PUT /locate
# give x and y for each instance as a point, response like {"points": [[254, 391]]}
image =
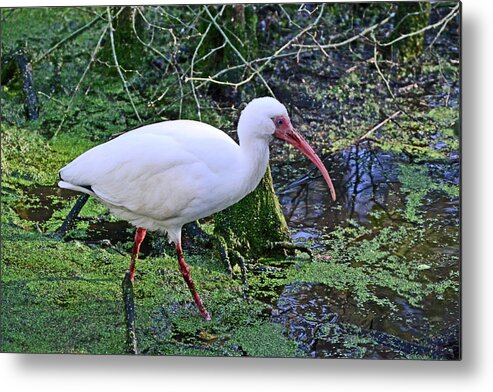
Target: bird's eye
{"points": [[280, 122]]}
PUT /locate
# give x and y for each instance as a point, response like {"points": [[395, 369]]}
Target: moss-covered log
{"points": [[18, 65], [252, 226]]}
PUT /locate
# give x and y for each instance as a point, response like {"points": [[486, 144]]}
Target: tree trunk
{"points": [[410, 17], [239, 24], [18, 64], [129, 50], [255, 224]]}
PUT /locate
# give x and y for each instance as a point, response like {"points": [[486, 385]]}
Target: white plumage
{"points": [[164, 175]]}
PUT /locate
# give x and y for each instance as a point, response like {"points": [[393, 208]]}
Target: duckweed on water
{"points": [[417, 183]]}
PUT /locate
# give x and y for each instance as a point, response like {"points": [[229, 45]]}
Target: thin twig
{"points": [[192, 84], [441, 31], [160, 54], [238, 53], [77, 87], [115, 59], [375, 60], [426, 28], [378, 126], [351, 39], [68, 38]]}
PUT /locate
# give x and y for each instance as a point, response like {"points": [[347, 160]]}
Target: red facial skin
{"points": [[285, 131]]}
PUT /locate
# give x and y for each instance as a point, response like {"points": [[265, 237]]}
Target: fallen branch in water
{"points": [[377, 127], [72, 215]]}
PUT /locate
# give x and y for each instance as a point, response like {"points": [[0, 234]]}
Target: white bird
{"points": [[164, 175]]}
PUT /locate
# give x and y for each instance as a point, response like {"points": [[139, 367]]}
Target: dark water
{"points": [[367, 181]]}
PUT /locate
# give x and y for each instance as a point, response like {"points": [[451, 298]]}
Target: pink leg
{"points": [[140, 234], [185, 271]]}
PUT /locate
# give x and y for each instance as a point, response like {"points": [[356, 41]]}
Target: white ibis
{"points": [[164, 175]]}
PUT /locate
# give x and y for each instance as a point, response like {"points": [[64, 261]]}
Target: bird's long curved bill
{"points": [[295, 139]]}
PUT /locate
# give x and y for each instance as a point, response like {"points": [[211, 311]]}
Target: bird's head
{"points": [[266, 118]]}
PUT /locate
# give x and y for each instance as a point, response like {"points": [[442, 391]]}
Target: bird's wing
{"points": [[158, 171]]}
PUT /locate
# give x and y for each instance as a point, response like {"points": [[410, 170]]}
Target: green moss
{"points": [[66, 297], [28, 158], [264, 340]]}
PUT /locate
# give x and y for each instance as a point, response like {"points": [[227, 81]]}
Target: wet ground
{"points": [[327, 321]]}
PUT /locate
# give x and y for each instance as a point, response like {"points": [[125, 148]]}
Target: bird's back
{"points": [[169, 171]]}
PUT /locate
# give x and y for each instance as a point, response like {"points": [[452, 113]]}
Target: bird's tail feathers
{"points": [[77, 188]]}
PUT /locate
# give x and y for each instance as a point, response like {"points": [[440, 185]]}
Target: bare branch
{"points": [[378, 126], [445, 20], [255, 72], [77, 87], [351, 39], [68, 38], [115, 59]]}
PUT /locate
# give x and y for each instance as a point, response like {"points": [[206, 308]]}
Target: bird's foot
{"points": [[206, 316], [129, 277]]}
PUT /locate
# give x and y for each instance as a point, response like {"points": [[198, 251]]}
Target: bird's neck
{"points": [[255, 158]]}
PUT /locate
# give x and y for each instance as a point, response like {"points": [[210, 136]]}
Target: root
{"points": [[288, 246]]}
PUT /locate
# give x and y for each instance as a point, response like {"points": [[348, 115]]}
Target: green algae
{"points": [[417, 183], [66, 297], [265, 340], [53, 290], [365, 264]]}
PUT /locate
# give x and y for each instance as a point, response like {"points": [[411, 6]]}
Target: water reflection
{"points": [[365, 179]]}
